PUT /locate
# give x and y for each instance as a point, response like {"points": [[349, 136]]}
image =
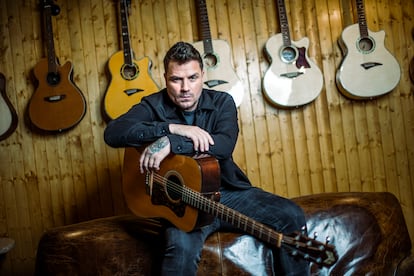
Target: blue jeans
{"points": [[183, 250]]}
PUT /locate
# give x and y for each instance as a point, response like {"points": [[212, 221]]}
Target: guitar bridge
{"points": [[148, 183]]}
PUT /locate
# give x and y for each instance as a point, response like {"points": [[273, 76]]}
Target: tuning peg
{"points": [[315, 235], [303, 230], [328, 240]]}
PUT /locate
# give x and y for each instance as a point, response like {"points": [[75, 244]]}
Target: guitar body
{"points": [[286, 85], [8, 115], [128, 85], [201, 175], [57, 104], [366, 74], [185, 190], [219, 73]]}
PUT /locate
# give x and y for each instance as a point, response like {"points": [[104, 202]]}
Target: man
{"points": [[186, 119]]}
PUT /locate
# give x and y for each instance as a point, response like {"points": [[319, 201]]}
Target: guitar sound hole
{"points": [[289, 54], [129, 72], [174, 188], [53, 78], [366, 45], [210, 60]]}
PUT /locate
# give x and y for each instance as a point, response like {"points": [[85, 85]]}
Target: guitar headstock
{"points": [[299, 245], [50, 4]]}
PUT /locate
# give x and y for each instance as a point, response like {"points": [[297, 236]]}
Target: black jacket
{"points": [[147, 121]]}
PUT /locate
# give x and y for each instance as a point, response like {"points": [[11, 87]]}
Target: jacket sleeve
{"points": [[135, 128]]}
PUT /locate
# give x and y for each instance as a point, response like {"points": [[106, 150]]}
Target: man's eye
{"points": [[194, 77]]}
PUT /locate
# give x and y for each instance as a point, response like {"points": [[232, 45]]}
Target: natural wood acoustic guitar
{"points": [[185, 192], [8, 115], [368, 70], [219, 72], [57, 103], [131, 79], [292, 79]]}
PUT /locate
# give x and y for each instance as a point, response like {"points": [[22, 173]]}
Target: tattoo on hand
{"points": [[158, 145]]}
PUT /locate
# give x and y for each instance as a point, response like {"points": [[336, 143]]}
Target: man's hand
{"points": [[152, 155], [201, 138]]}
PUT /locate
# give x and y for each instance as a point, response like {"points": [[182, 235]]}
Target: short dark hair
{"points": [[182, 52]]}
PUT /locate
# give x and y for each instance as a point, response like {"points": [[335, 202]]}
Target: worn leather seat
{"points": [[367, 229]]}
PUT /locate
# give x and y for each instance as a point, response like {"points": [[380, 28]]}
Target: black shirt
{"points": [[216, 113]]}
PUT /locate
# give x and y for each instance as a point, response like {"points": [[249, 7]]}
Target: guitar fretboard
{"points": [[204, 26], [51, 55], [283, 20], [128, 55], [362, 21], [231, 216]]}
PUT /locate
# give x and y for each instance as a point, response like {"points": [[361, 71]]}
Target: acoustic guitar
{"points": [[184, 192], [292, 79], [131, 79], [368, 70], [57, 103], [216, 54], [8, 115]]}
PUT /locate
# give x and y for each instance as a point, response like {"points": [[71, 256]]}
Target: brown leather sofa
{"points": [[367, 229]]}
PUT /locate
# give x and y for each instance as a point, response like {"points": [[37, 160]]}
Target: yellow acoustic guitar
{"points": [[185, 192], [130, 79]]}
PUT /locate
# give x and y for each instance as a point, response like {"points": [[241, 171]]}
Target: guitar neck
{"points": [[51, 55], [204, 26], [126, 42], [362, 21], [231, 216], [283, 20]]}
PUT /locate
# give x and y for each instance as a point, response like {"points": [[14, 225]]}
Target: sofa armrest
{"points": [[406, 266]]}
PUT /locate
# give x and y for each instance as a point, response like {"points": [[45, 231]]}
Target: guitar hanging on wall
{"points": [[130, 79], [292, 79], [368, 69], [8, 115], [57, 103], [185, 192], [216, 54]]}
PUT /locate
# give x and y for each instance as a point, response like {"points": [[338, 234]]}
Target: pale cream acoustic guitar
{"points": [[368, 70]]}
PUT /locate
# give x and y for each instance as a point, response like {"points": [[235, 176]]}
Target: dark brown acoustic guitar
{"points": [[8, 115], [184, 192], [57, 103]]}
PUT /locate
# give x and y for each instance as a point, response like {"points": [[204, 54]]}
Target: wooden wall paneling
{"points": [[20, 226], [114, 157], [323, 104], [405, 129], [249, 72], [95, 33], [187, 20], [78, 143], [297, 29], [156, 15], [311, 114]]}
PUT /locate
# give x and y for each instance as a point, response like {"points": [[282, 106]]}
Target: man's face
{"points": [[184, 84]]}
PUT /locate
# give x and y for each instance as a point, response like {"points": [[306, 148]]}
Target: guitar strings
{"points": [[196, 199]]}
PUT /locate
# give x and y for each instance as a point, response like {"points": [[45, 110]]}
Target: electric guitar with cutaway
{"points": [[292, 79], [368, 70], [57, 103], [216, 54], [8, 115], [131, 79], [185, 192]]}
